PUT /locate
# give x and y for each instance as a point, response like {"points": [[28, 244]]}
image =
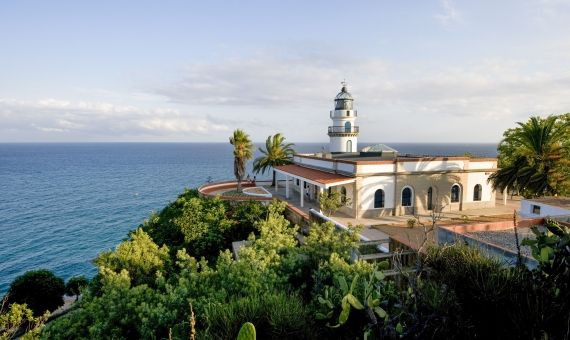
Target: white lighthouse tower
{"points": [[343, 133]]}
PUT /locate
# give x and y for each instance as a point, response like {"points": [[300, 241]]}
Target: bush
{"points": [[18, 319], [139, 255], [411, 222], [276, 315], [75, 284], [39, 289], [495, 301]]}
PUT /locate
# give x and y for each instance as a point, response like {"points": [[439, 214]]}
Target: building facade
{"points": [[545, 207], [378, 182], [343, 133]]}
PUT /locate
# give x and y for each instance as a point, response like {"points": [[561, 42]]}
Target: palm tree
{"points": [[276, 153], [534, 157], [243, 151]]}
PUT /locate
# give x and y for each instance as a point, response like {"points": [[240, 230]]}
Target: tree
{"points": [[17, 319], [243, 151], [139, 256], [276, 153], [75, 285], [534, 157], [331, 202], [39, 289]]}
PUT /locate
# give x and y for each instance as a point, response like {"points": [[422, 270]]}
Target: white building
{"points": [[545, 206], [376, 181], [343, 133]]}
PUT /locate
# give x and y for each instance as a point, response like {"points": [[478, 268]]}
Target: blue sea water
{"points": [[62, 204]]}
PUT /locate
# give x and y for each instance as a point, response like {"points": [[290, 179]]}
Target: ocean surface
{"points": [[62, 204]]}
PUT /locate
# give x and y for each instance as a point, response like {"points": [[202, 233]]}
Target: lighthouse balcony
{"points": [[343, 130]]}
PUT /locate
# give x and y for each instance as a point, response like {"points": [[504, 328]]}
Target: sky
{"points": [[193, 71]]}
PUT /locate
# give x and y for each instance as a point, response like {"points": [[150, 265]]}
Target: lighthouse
{"points": [[343, 133]]}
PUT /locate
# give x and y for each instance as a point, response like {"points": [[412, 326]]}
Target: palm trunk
{"points": [[274, 179], [239, 185]]}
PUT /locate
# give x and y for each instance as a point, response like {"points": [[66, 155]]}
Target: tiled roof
{"points": [[313, 174]]}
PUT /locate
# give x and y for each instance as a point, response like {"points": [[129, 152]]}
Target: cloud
{"points": [[449, 14], [99, 119], [485, 88], [293, 94]]}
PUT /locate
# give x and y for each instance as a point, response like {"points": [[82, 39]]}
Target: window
{"points": [[347, 113], [379, 199], [429, 199], [455, 193], [348, 146], [477, 192], [347, 127], [343, 195], [407, 197], [297, 182], [535, 209]]}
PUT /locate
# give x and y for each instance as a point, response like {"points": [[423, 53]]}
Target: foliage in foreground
{"points": [[306, 291], [39, 289], [19, 319]]}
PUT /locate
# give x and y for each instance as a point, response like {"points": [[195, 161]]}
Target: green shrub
{"points": [[19, 318], [39, 289], [75, 284], [276, 315], [496, 301], [203, 226], [139, 255]]}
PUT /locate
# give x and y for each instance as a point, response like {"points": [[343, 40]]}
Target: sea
{"points": [[62, 204]]}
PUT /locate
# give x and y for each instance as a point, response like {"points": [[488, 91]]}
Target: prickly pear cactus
{"points": [[247, 332]]}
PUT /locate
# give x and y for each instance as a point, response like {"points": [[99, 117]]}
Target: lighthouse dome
{"points": [[343, 94], [343, 100]]}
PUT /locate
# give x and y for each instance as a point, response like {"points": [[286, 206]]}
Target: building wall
{"points": [[431, 165], [487, 193], [349, 209], [545, 210], [338, 144], [477, 165], [410, 174], [367, 187], [364, 169], [420, 183], [323, 164], [345, 167]]}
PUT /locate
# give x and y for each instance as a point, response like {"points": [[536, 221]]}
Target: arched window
{"points": [[379, 199], [347, 127], [343, 195], [477, 192], [455, 193], [407, 197], [429, 199], [348, 146]]}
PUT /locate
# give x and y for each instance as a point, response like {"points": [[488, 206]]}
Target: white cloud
{"points": [[483, 95], [293, 95], [449, 14], [99, 119]]}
